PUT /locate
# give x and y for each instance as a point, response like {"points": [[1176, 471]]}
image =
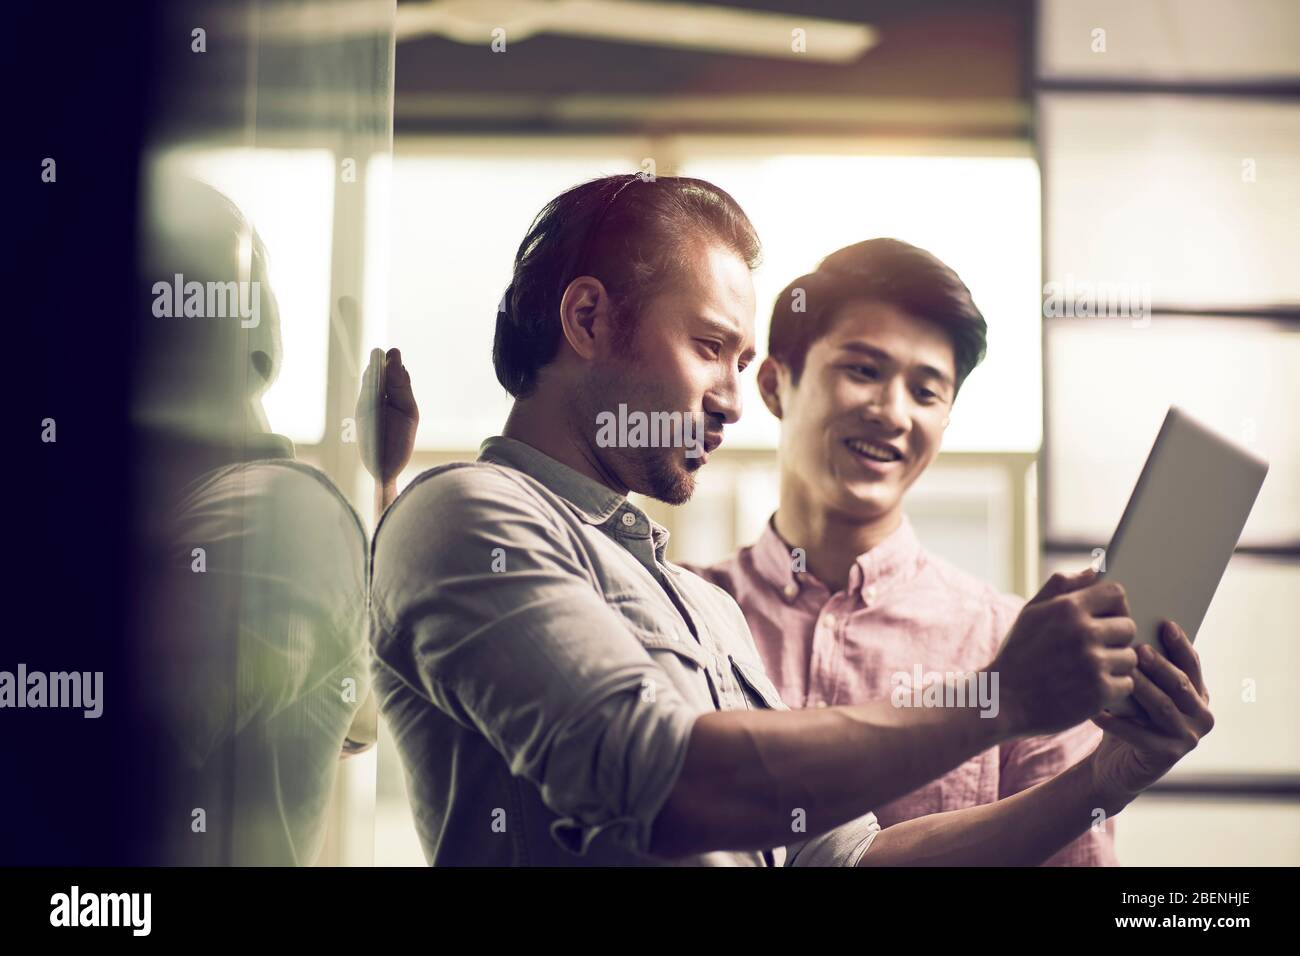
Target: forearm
{"points": [[1021, 830], [747, 775]]}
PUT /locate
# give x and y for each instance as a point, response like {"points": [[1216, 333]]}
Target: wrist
{"points": [[1103, 791], [1009, 721]]}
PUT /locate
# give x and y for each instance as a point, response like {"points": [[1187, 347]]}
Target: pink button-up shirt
{"points": [[903, 609]]}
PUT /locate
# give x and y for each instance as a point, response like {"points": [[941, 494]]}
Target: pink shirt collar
{"points": [[894, 560]]}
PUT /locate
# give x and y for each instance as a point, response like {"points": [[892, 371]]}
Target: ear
{"points": [[584, 316], [769, 377], [262, 362]]}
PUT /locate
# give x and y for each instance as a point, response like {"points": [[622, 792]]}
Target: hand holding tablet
{"points": [[1180, 528]]}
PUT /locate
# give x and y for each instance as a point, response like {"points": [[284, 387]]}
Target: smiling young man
{"points": [[863, 378], [561, 694]]}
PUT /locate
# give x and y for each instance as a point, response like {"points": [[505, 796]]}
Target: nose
{"points": [[724, 401], [888, 408]]}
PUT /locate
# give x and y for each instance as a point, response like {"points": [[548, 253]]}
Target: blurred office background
{"points": [[1154, 145]]}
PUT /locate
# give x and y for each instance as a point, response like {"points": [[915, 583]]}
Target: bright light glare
{"points": [[456, 222], [980, 215]]}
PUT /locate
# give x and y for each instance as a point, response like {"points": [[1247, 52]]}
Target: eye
{"points": [[863, 371], [712, 346], [926, 396]]}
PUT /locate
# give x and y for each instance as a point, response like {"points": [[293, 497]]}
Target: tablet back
{"points": [[1181, 526]]}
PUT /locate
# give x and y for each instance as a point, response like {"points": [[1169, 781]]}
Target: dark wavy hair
{"points": [[634, 234], [878, 270]]}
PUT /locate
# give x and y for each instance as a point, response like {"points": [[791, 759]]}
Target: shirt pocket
{"points": [[672, 647], [760, 692]]}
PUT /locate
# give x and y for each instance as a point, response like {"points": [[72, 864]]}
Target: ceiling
{"points": [[939, 68], [951, 67]]}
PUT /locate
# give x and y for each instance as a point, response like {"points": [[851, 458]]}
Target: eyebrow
{"points": [[881, 355], [729, 334]]}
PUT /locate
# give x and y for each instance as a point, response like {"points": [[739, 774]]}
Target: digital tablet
{"points": [[1180, 528]]}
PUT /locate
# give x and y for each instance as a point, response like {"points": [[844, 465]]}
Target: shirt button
{"points": [[829, 620], [821, 703], [791, 591], [871, 593], [629, 519]]}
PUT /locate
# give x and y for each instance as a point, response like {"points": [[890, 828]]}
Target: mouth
{"points": [[701, 458], [874, 453]]}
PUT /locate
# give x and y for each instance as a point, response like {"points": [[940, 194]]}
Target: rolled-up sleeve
{"points": [[482, 602]]}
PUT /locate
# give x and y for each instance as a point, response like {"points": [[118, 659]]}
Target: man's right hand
{"points": [[1067, 655]]}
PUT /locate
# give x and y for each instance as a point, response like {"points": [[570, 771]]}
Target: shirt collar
{"points": [[594, 503], [892, 560]]}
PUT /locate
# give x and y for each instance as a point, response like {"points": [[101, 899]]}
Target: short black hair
{"points": [[878, 270], [632, 232]]}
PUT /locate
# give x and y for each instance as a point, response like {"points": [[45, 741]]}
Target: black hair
{"points": [[878, 270], [632, 232]]}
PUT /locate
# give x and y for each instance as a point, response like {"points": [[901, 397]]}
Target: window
{"points": [[1171, 174], [457, 220]]}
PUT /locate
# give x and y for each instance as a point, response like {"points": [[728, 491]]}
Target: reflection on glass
{"points": [[288, 194], [255, 657]]}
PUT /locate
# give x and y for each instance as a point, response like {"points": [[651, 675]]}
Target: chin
{"points": [[669, 480], [865, 503], [673, 492]]}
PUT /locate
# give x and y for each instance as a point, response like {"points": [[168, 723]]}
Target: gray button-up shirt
{"points": [[540, 665]]}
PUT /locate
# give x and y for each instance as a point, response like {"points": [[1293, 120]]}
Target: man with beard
{"points": [[560, 694]]}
